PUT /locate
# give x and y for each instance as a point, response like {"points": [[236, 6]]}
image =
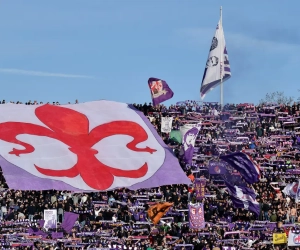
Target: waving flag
{"points": [[243, 197], [91, 146], [241, 162], [217, 66], [189, 142], [69, 221], [159, 210], [291, 189], [160, 90]]}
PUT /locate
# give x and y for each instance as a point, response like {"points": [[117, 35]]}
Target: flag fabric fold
{"points": [[160, 90], [69, 221], [159, 210], [217, 66], [241, 162]]}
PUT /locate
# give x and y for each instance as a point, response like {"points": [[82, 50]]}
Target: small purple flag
{"points": [[241, 162], [200, 188], [216, 167], [291, 189], [69, 221], [160, 90], [196, 216], [189, 142]]}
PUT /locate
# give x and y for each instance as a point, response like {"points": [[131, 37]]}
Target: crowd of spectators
{"points": [[118, 219]]}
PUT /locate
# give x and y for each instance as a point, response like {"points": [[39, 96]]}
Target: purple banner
{"points": [[200, 188], [228, 248], [196, 216]]}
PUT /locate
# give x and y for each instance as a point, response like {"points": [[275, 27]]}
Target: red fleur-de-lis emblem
{"points": [[72, 128]]}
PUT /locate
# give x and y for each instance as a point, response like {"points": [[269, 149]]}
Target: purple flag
{"points": [[196, 216], [200, 188], [216, 167], [160, 90], [69, 221], [243, 197], [228, 248], [189, 142], [50, 132], [241, 162]]}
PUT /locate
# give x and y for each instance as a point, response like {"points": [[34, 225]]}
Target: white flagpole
{"points": [[221, 64]]}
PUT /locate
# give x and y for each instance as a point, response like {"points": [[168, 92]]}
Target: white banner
{"points": [[50, 217], [294, 239], [166, 124]]}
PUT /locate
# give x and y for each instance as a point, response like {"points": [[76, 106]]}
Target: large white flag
{"points": [[217, 65]]}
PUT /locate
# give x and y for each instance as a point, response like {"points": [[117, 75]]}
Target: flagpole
{"points": [[221, 64]]}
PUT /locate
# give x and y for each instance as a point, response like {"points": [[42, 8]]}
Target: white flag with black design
{"points": [[166, 124], [217, 65]]}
